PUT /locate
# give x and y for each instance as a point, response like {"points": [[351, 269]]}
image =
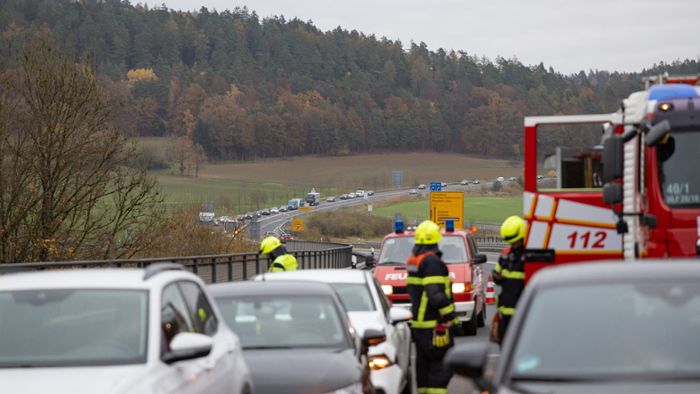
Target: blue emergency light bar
{"points": [[450, 225], [398, 226], [672, 91]]}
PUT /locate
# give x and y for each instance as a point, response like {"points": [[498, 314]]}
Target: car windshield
{"points": [[72, 327], [609, 331], [679, 160], [266, 322], [355, 296], [398, 250]]}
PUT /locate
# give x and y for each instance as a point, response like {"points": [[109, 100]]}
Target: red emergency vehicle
{"points": [[634, 195], [459, 252]]}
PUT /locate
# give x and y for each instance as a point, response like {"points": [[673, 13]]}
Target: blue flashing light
{"points": [[672, 91], [450, 225], [398, 226]]}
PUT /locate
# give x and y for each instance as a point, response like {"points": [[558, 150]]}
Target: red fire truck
{"points": [[636, 195], [459, 252]]}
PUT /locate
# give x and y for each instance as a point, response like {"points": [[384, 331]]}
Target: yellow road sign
{"points": [[297, 225], [447, 205], [304, 208]]}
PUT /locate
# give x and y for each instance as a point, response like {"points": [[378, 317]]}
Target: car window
{"points": [[268, 322], [354, 296], [620, 329], [201, 313], [398, 250], [72, 327], [473, 249], [174, 315], [383, 301]]}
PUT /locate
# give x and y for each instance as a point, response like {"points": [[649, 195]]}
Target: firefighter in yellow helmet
{"points": [[433, 309], [509, 273], [281, 260]]}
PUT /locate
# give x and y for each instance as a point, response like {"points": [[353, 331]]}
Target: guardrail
{"points": [[213, 268]]}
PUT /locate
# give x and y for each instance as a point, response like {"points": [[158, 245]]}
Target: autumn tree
{"points": [[65, 188]]}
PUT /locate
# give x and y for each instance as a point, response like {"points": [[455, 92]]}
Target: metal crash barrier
{"points": [[215, 268]]}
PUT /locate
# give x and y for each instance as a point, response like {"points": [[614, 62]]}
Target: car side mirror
{"points": [[612, 193], [188, 346], [472, 361], [479, 259], [657, 133], [399, 315], [372, 337]]}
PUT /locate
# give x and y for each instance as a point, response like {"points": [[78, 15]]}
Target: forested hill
{"points": [[245, 88]]}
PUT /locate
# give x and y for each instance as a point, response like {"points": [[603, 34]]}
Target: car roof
{"points": [[262, 288], [319, 275], [594, 272], [83, 278]]}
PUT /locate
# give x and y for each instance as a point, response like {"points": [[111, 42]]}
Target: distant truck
{"points": [[293, 204], [313, 198]]}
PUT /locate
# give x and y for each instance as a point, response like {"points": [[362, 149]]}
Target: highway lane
{"points": [[275, 222]]}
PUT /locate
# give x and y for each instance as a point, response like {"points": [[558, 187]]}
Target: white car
{"points": [[368, 308], [274, 211], [150, 330]]}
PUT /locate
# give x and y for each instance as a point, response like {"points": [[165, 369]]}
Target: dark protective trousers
{"points": [[430, 373], [504, 321]]}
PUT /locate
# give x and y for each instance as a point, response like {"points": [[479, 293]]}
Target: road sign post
{"points": [[447, 205]]}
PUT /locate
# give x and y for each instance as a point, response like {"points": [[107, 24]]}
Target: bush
{"points": [[347, 224]]}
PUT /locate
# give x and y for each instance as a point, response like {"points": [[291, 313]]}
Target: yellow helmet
{"points": [[427, 233], [269, 244], [513, 229]]}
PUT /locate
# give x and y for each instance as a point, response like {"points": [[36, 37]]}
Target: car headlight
{"points": [[379, 362], [459, 288], [355, 388], [388, 289]]}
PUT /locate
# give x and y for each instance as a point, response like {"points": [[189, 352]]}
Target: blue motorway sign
{"points": [[435, 186]]}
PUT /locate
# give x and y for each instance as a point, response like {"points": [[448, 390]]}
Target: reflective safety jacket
{"points": [[430, 289], [509, 273], [285, 262]]}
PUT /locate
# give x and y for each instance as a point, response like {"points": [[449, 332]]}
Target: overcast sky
{"points": [[569, 35]]}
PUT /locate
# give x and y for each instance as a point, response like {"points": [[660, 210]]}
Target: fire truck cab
{"points": [[459, 252], [633, 194]]}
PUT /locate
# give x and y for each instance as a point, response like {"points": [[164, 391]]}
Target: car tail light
{"points": [[461, 287]]}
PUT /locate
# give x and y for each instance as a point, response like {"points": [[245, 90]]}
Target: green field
{"points": [[477, 209], [238, 187]]}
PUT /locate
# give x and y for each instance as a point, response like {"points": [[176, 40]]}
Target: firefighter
{"points": [[281, 260], [509, 273], [433, 309]]}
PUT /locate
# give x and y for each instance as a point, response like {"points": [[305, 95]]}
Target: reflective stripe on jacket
{"points": [[509, 273], [430, 289], [285, 262]]}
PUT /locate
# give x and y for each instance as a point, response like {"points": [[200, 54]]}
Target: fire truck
{"points": [[636, 194], [459, 252]]}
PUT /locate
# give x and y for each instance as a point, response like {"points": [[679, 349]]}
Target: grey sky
{"points": [[569, 35]]}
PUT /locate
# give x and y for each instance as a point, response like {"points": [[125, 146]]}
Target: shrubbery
{"points": [[346, 224]]}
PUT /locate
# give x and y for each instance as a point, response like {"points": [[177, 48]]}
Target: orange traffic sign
{"points": [[445, 206]]}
